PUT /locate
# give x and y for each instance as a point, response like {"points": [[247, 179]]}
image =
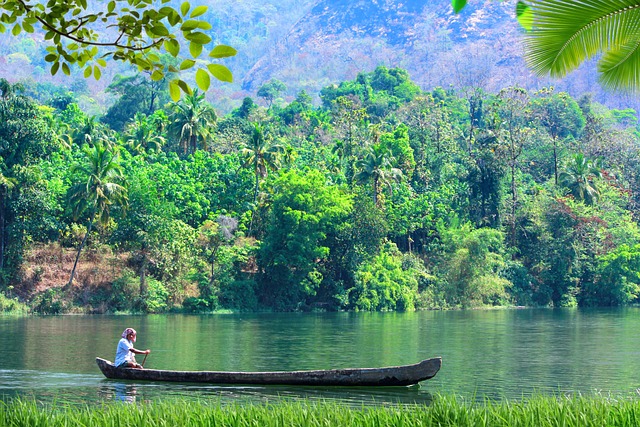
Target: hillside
{"points": [[310, 44]]}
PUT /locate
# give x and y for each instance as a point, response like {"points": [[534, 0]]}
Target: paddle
{"points": [[144, 360]]}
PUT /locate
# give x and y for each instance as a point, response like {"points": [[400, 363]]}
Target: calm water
{"points": [[496, 354]]}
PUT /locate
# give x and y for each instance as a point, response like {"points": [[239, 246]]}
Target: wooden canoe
{"points": [[389, 376]]}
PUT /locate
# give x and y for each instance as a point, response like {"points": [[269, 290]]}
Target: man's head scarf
{"points": [[128, 332]]}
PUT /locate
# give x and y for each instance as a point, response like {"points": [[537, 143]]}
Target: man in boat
{"points": [[125, 353]]}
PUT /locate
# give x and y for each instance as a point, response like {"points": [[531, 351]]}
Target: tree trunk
{"points": [[514, 200], [255, 199], [143, 273], [3, 242], [75, 264], [213, 261], [375, 192], [555, 160]]}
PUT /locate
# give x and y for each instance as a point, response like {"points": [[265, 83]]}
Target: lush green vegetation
{"points": [[386, 197], [444, 411]]}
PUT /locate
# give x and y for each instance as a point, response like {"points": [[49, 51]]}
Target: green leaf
{"points": [[524, 14], [220, 72], [184, 8], [184, 86], [174, 91], [157, 75], [96, 72], [174, 18], [189, 24], [187, 63], [200, 10], [27, 27], [173, 47], [198, 37], [65, 69], [195, 49], [223, 51], [111, 6], [51, 57], [87, 72], [159, 30], [203, 80], [16, 30], [458, 5], [54, 68]]}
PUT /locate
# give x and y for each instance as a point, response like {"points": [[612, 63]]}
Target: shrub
{"points": [[125, 292], [48, 302], [239, 294], [383, 283], [196, 305], [11, 305], [157, 296]]}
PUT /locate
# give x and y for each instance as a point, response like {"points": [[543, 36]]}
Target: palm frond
{"points": [[620, 69], [566, 33]]}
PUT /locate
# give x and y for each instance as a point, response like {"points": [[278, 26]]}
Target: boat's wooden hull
{"points": [[389, 376]]}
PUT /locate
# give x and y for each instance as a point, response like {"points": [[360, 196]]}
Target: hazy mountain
{"points": [[480, 47], [309, 44]]}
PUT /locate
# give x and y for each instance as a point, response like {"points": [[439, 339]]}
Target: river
{"points": [[494, 354]]}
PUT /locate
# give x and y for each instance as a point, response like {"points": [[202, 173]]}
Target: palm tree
{"points": [[579, 176], [98, 190], [566, 33], [191, 122], [261, 154], [141, 134], [376, 166], [91, 129]]}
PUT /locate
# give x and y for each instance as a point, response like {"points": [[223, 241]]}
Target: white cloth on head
{"points": [[122, 353]]}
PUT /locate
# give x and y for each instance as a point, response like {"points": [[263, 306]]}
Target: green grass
{"points": [[444, 411]]}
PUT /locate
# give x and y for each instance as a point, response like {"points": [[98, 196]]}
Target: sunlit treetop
{"points": [[133, 31]]}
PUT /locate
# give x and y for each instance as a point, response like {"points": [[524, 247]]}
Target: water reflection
{"points": [[132, 392], [118, 391], [499, 354]]}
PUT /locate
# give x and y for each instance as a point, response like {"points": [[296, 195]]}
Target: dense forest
{"points": [[385, 197]]}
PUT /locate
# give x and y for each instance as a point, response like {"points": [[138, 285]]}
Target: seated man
{"points": [[125, 353]]}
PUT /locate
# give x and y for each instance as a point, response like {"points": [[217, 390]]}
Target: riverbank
{"points": [[537, 411]]}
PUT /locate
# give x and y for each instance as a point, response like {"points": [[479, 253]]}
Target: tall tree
{"points": [[305, 210], [513, 131], [560, 116], [25, 138], [261, 154], [579, 178], [98, 190], [270, 91], [377, 167], [135, 94], [349, 117], [143, 133], [191, 122]]}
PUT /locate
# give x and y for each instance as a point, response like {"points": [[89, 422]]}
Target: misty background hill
{"points": [[311, 44]]}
